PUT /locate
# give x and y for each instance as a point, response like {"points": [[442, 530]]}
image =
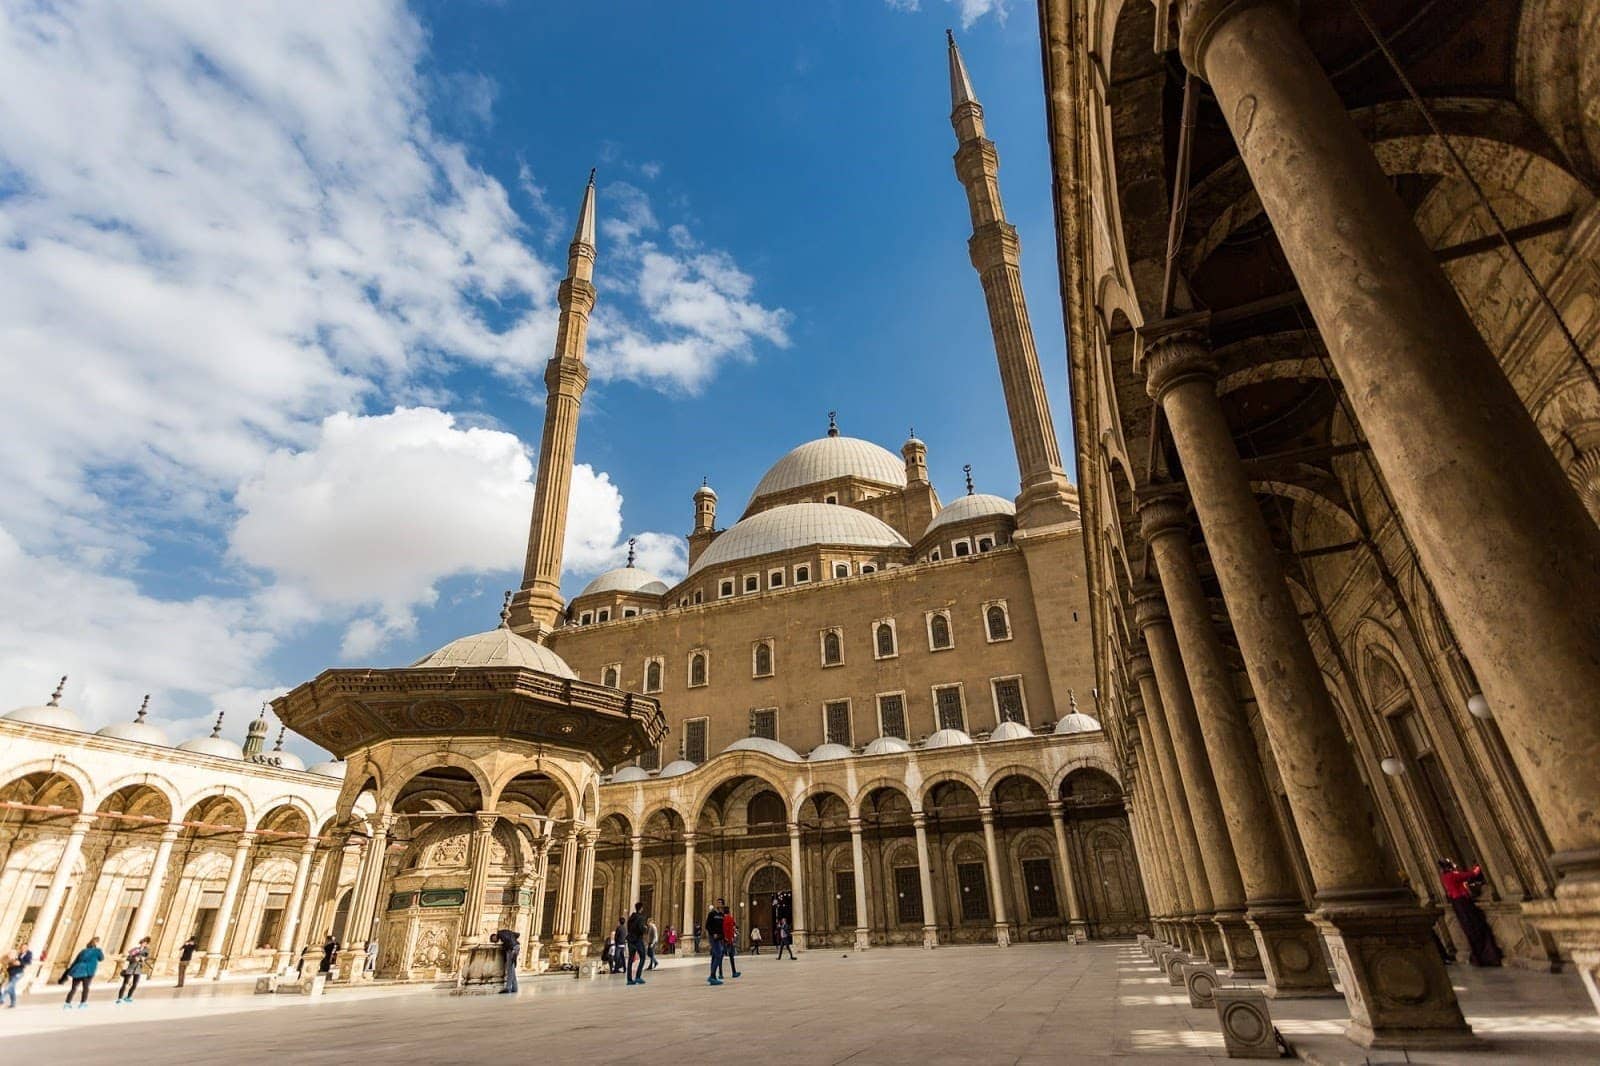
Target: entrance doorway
{"points": [[768, 900]]}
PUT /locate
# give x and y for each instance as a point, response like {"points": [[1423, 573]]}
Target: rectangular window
{"points": [[118, 941], [802, 574], [844, 898], [841, 569], [630, 612], [836, 722], [948, 708], [775, 579], [699, 597], [603, 615], [725, 588], [985, 544], [1008, 700], [1039, 879], [908, 895], [764, 723], [597, 912], [694, 740], [973, 878], [892, 716], [651, 760], [752, 583], [963, 548], [586, 618], [272, 920]]}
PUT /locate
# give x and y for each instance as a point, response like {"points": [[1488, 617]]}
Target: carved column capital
{"points": [[855, 826], [484, 821], [919, 820], [1149, 609], [1136, 709], [1163, 514], [1171, 359], [986, 815], [1139, 668], [794, 829], [1057, 809], [1198, 21]]}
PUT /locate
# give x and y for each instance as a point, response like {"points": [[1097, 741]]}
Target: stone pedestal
{"points": [[1291, 955], [1243, 955], [1200, 981], [862, 942], [480, 968], [1247, 1030], [1573, 920], [1393, 978], [1211, 942]]}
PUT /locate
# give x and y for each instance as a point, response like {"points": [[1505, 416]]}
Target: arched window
{"points": [[763, 663], [697, 669], [885, 638], [652, 676], [939, 631], [999, 625], [611, 677], [832, 651]]}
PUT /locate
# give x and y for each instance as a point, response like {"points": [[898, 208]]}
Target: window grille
{"points": [[832, 649], [1040, 880], [948, 704], [1008, 700], [764, 723], [885, 640], [763, 660], [694, 740], [939, 631], [844, 891], [651, 759], [908, 895], [836, 722], [973, 879], [892, 716], [999, 624], [652, 676], [697, 669]]}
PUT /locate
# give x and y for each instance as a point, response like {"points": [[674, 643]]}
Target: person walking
{"points": [[82, 971], [652, 935], [785, 938], [135, 964], [672, 941], [186, 956], [371, 964], [696, 935], [330, 956], [619, 950], [755, 940], [638, 933], [1458, 886], [730, 939], [17, 964], [713, 928], [511, 950]]}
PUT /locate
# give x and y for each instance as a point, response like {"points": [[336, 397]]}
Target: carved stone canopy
{"points": [[348, 710]]}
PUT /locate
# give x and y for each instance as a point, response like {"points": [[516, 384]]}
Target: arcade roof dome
{"points": [[827, 458], [676, 768], [776, 749], [60, 717], [143, 732], [498, 647], [1010, 731], [331, 768], [1078, 723], [221, 747], [886, 746], [626, 579], [630, 773], [798, 525], [825, 752], [978, 505], [947, 738]]}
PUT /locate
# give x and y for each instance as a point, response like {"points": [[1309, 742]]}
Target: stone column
{"points": [[1283, 947], [477, 876], [213, 966], [1075, 923], [44, 926], [541, 880], [1200, 787], [930, 920], [1002, 928], [686, 931], [364, 898], [1381, 940], [1514, 556], [580, 935], [797, 910], [291, 913], [637, 842], [150, 898], [1161, 826], [562, 931], [860, 867]]}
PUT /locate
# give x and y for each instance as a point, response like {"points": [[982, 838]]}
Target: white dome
{"points": [[827, 458], [947, 738], [141, 732], [824, 752], [1078, 723], [1010, 731], [59, 717], [331, 768], [676, 768], [283, 760], [626, 579], [221, 747], [629, 773], [886, 746], [978, 505], [498, 647], [769, 747], [798, 525]]}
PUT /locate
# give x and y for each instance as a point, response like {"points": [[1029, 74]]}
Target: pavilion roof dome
{"points": [[498, 647], [947, 738], [630, 773], [976, 505], [331, 768], [626, 579], [138, 730], [798, 525], [825, 752], [831, 457], [886, 746], [774, 748]]}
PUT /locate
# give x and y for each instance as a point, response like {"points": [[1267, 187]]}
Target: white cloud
{"points": [[969, 10]]}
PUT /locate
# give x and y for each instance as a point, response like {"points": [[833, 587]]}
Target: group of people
{"points": [[136, 966], [633, 945]]}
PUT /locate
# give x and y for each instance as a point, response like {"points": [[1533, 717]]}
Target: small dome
{"points": [[283, 760], [221, 747], [769, 747], [828, 458], [886, 746], [947, 738], [798, 525], [1078, 723], [626, 579], [140, 732], [331, 768], [629, 773], [498, 647], [824, 752], [1010, 731], [978, 505], [705, 490], [59, 717], [676, 768]]}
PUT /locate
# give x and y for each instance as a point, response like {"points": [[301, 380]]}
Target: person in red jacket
{"points": [[1458, 884]]}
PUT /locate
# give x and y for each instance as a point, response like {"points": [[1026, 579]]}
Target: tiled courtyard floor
{"points": [[1030, 1004]]}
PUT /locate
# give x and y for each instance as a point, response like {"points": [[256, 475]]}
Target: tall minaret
{"points": [[1047, 496], [537, 605]]}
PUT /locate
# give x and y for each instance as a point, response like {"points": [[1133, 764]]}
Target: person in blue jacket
{"points": [[82, 971]]}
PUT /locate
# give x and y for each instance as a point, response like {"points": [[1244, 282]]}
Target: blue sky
{"points": [[280, 286]]}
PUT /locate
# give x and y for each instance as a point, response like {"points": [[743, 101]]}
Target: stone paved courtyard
{"points": [[1037, 1003]]}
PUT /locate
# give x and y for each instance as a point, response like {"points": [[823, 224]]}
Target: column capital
{"points": [[1136, 708], [855, 826], [986, 815], [1199, 20], [1057, 808], [794, 829], [309, 847], [1149, 609], [1174, 357], [171, 830], [83, 823], [919, 820], [689, 839], [483, 821], [636, 841], [1162, 514], [1139, 668]]}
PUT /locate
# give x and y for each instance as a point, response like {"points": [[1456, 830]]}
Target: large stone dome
{"points": [[831, 457], [626, 579], [977, 505], [798, 525], [498, 647]]}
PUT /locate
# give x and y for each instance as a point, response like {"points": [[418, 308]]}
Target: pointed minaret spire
{"points": [[967, 470], [55, 697], [537, 606], [632, 541], [1047, 497], [144, 710], [216, 730], [833, 423]]}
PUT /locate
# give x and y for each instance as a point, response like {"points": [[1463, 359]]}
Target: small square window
{"points": [[802, 574], [962, 548], [603, 615], [764, 723], [586, 618], [752, 583], [630, 612], [775, 579], [725, 588], [699, 596], [985, 544]]}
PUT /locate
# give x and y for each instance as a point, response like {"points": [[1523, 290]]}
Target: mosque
{"points": [[864, 710]]}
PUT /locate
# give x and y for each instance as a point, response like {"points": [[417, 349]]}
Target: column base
{"points": [[1077, 930], [1572, 920], [799, 938], [212, 966], [1290, 952], [862, 941], [1394, 981], [1242, 956], [1211, 942], [930, 937], [1002, 936]]}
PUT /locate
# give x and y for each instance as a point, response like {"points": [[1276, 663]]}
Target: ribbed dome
{"points": [[498, 647], [1010, 731], [798, 525], [886, 746], [1078, 723], [59, 717], [773, 748], [331, 768], [978, 505], [221, 747], [947, 738], [676, 768], [824, 752], [626, 579], [827, 458], [141, 732], [629, 773]]}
